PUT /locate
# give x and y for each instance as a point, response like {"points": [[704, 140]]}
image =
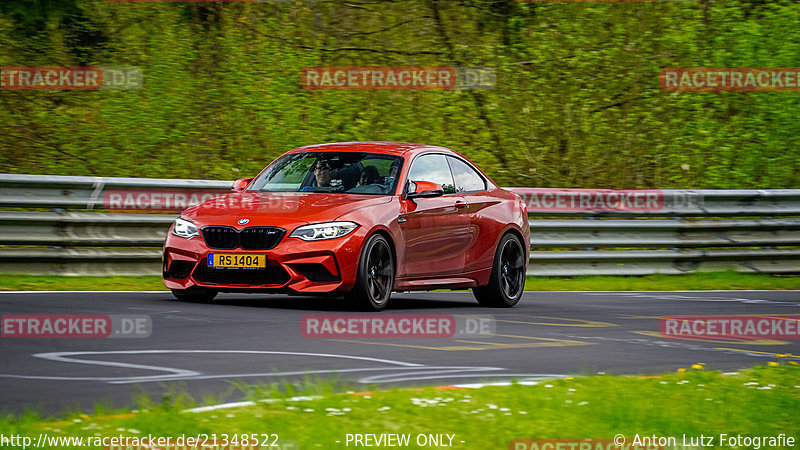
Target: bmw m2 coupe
{"points": [[358, 220]]}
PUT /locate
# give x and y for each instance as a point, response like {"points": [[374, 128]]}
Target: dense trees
{"points": [[577, 101]]}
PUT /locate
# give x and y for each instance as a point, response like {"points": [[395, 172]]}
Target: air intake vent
{"points": [[316, 273], [272, 275], [179, 269], [251, 238]]}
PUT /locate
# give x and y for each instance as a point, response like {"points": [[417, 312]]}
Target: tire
{"points": [[195, 294], [507, 282], [375, 276]]}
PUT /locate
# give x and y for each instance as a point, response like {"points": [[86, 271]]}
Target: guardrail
{"points": [[573, 231], [55, 191]]}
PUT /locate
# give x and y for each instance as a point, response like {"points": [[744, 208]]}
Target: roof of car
{"points": [[396, 148]]}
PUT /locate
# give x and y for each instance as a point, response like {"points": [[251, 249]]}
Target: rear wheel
{"points": [[375, 276], [507, 281], [194, 294]]}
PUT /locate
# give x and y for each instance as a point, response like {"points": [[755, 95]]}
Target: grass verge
{"points": [[658, 282], [60, 283], [762, 401]]}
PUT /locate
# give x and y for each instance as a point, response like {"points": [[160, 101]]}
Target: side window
{"points": [[434, 169], [466, 178]]}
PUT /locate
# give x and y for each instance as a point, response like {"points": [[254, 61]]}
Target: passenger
{"points": [[369, 176]]}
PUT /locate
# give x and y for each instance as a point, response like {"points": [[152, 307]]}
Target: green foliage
{"points": [[577, 101]]}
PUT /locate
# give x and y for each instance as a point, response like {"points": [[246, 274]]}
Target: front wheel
{"points": [[194, 294], [375, 276], [507, 281]]}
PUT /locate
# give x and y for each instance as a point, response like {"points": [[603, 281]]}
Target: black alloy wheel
{"points": [[375, 276], [507, 282]]}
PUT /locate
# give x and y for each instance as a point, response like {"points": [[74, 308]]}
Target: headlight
{"points": [[185, 229], [320, 231]]}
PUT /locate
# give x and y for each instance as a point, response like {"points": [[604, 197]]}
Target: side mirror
{"points": [[240, 184], [424, 189]]}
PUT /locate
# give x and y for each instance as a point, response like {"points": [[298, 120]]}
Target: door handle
{"points": [[401, 219], [460, 204]]}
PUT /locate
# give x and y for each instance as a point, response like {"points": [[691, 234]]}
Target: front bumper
{"points": [[293, 265]]}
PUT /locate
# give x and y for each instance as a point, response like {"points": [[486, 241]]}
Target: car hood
{"points": [[278, 208]]}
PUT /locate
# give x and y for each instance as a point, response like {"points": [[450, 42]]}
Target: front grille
{"points": [[226, 238], [179, 269], [251, 238], [316, 273], [260, 238], [272, 275]]}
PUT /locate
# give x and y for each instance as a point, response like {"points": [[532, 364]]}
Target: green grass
{"points": [[698, 281], [59, 283], [762, 401], [658, 282]]}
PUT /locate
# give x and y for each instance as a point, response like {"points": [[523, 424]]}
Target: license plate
{"points": [[221, 260]]}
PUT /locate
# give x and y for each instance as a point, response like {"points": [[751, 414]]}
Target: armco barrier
{"points": [[573, 231]]}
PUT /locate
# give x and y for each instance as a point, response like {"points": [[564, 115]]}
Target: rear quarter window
{"points": [[465, 177]]}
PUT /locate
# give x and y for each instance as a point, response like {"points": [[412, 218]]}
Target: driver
{"points": [[322, 175]]}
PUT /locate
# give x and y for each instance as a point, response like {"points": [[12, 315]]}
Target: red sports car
{"points": [[358, 219]]}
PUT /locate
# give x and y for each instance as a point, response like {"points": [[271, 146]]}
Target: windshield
{"points": [[345, 172]]}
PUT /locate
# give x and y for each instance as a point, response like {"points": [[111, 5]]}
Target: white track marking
{"points": [[263, 374], [529, 381], [66, 357], [684, 298], [404, 371], [220, 406], [437, 370], [176, 374], [396, 378]]}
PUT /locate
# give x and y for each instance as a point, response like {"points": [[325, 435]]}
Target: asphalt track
{"points": [[209, 348]]}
